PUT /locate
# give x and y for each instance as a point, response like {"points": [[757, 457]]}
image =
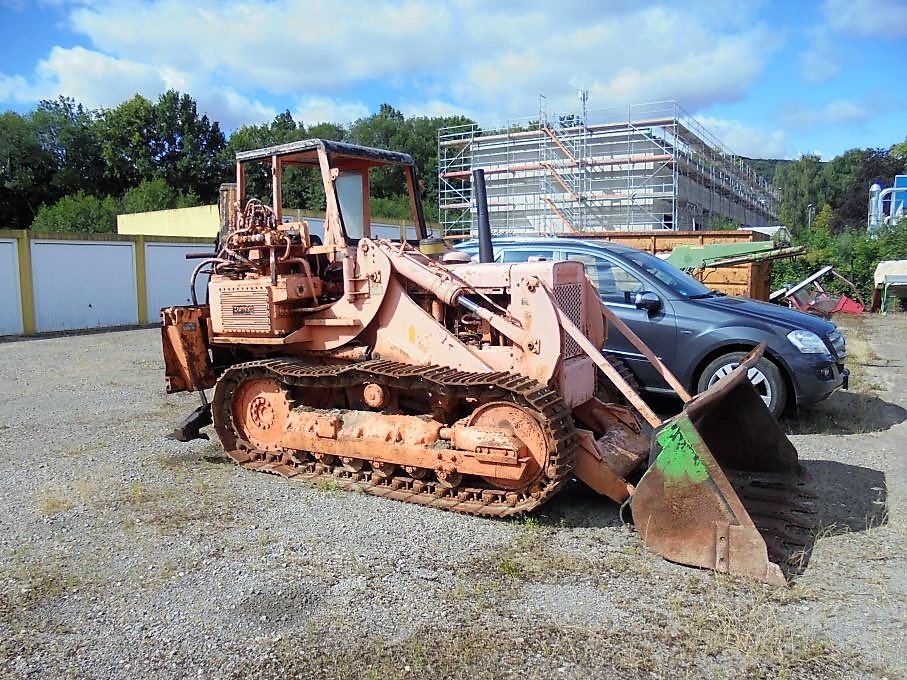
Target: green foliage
{"points": [[823, 221], [125, 147], [899, 151], [79, 212], [25, 171], [842, 183], [767, 167], [143, 140], [186, 147], [156, 194], [300, 188], [801, 184], [854, 253], [383, 130], [68, 132], [721, 223], [163, 154], [394, 208]]}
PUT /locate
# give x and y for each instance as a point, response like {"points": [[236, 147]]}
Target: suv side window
{"points": [[522, 255], [614, 283]]}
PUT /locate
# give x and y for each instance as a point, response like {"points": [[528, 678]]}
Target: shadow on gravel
{"points": [[845, 413], [81, 331], [578, 506], [849, 498]]}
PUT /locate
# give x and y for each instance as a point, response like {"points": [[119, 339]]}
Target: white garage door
{"points": [[80, 284], [167, 273], [10, 295]]}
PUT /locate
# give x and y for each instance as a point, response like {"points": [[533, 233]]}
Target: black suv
{"points": [[698, 333]]}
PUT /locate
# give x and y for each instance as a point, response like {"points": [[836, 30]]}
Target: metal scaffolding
{"points": [[639, 167]]}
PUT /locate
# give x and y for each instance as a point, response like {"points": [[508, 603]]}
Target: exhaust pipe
{"points": [[486, 252]]}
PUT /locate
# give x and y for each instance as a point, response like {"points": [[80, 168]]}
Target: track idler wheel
{"points": [[526, 427]]}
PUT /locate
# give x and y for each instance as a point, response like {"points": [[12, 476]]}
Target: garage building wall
{"points": [[167, 276], [79, 284], [10, 289], [63, 281]]}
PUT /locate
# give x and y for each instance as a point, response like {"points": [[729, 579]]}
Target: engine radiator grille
{"points": [[245, 310], [569, 297]]}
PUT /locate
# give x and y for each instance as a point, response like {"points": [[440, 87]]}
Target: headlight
{"points": [[807, 342]]}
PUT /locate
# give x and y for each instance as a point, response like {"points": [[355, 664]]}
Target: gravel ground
{"points": [[123, 553]]}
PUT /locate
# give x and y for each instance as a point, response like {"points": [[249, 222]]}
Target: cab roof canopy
{"points": [[305, 152]]}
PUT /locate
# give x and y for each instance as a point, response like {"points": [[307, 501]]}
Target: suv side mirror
{"points": [[649, 301]]}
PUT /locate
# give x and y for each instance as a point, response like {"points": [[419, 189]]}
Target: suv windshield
{"points": [[682, 284]]}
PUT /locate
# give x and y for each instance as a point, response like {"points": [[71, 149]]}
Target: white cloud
{"points": [[867, 18], [17, 89], [244, 60], [821, 61], [94, 78], [436, 108], [313, 110], [837, 112], [744, 140], [280, 46], [655, 53]]}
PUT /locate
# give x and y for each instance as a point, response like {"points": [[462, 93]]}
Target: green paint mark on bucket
{"points": [[678, 459]]}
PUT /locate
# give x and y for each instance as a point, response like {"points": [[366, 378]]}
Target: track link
{"points": [[479, 499]]}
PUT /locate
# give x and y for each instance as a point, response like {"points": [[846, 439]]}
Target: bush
{"points": [[78, 212], [853, 253], [156, 194]]}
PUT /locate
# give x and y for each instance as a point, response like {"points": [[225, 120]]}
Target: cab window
{"points": [[349, 194]]}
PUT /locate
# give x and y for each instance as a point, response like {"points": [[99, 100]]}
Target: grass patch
{"points": [[27, 585], [52, 502], [859, 409], [170, 509], [535, 648], [55, 499]]}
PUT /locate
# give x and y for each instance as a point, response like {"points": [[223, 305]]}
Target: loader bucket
{"points": [[724, 489]]}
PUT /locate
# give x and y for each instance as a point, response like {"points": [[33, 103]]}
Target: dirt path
{"points": [[125, 554], [855, 447]]}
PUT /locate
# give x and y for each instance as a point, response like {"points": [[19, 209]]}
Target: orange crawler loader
{"points": [[471, 387]]}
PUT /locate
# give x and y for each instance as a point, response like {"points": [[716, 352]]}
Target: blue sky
{"points": [[769, 79]]}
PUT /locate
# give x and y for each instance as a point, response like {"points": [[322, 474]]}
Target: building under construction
{"points": [[634, 168]]}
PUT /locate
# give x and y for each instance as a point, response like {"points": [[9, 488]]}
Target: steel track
{"points": [[481, 499]]}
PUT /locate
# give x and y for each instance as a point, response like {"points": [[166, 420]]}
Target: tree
{"points": [[169, 139], [25, 172], [68, 132], [383, 130], [899, 152], [721, 223], [824, 219], [327, 131], [297, 183], [126, 132], [185, 147], [877, 166], [801, 185], [79, 212], [837, 174], [422, 144]]}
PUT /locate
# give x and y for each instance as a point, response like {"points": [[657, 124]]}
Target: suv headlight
{"points": [[807, 342]]}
